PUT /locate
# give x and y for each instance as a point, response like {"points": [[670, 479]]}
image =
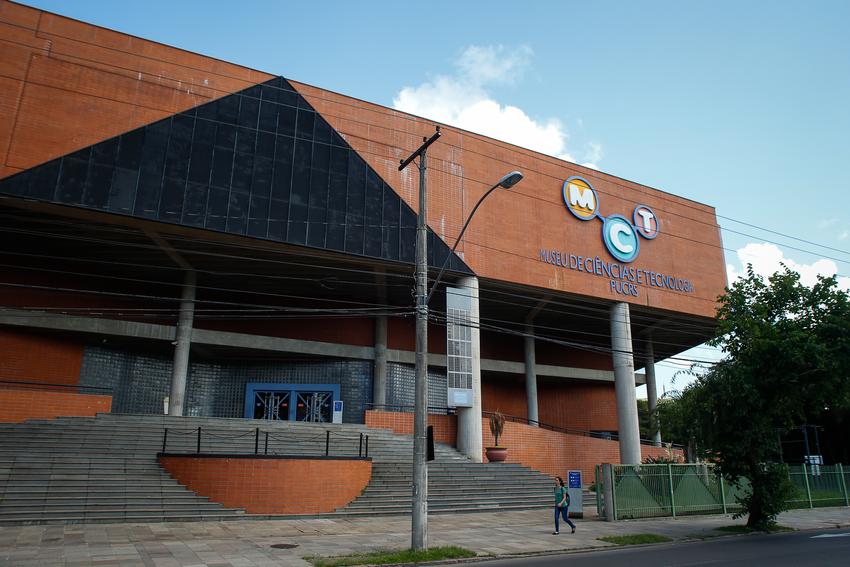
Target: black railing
{"points": [[52, 387], [512, 418], [402, 408], [214, 441]]}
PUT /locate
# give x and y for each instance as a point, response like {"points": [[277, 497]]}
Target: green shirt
{"points": [[561, 493]]}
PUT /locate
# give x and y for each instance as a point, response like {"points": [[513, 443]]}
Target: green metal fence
{"points": [[645, 491], [818, 485]]}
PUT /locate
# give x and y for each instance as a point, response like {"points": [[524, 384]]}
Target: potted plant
{"points": [[496, 454]]}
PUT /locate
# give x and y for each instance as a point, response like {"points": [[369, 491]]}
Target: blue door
{"points": [[291, 402]]}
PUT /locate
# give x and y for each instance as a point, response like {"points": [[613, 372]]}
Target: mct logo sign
{"points": [[620, 234]]}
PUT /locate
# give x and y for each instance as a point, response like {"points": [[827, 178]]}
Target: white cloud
{"points": [[844, 235], [768, 258], [494, 64], [462, 100], [827, 223]]}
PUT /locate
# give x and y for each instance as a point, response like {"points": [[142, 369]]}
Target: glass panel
{"points": [[237, 213], [195, 205], [42, 181], [318, 199], [304, 124], [98, 185], [372, 214], [171, 204], [249, 110], [272, 405], [123, 190], [299, 196], [314, 406], [355, 205]]}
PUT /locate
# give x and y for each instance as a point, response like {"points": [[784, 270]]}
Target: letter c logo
{"points": [[620, 238]]}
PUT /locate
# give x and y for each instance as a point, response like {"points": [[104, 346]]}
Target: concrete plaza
{"points": [[247, 543]]}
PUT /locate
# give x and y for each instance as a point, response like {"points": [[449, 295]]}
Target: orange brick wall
{"points": [[445, 426], [27, 356], [589, 407], [272, 486], [547, 451], [18, 405], [66, 84], [515, 225], [556, 453]]}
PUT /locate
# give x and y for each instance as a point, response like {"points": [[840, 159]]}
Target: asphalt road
{"points": [[827, 547]]}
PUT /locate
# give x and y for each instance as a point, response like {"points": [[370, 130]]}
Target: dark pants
{"points": [[565, 511]]}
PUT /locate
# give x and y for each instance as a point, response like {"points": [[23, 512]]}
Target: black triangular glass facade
{"points": [[261, 162]]}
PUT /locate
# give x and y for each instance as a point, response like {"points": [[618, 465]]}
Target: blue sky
{"points": [[740, 105]]}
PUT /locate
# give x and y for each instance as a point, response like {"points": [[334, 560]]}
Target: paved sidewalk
{"points": [[247, 543]]}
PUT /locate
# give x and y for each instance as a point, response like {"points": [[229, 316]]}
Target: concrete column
{"points": [[183, 342], [624, 384], [652, 391], [379, 378], [469, 438], [530, 377]]}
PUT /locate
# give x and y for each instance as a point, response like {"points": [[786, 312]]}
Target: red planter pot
{"points": [[496, 454]]}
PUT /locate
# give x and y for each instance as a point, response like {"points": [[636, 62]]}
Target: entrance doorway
{"points": [[291, 402], [271, 405]]}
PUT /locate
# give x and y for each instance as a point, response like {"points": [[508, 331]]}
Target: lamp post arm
{"points": [[457, 241]]}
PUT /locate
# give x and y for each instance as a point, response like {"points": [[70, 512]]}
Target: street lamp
{"points": [[506, 182], [419, 520]]}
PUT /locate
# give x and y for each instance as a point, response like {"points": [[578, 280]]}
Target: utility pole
{"points": [[419, 524]]}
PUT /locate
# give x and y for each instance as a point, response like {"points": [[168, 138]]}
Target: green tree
{"points": [[646, 430], [788, 358], [676, 424]]}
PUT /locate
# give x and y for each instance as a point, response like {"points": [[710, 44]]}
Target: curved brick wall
{"points": [[555, 453], [272, 485]]}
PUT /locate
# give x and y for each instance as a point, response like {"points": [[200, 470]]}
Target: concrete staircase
{"points": [[454, 486], [104, 469]]}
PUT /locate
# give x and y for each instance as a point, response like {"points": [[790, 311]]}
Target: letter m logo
{"points": [[582, 197]]}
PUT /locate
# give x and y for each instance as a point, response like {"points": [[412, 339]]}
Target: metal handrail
{"points": [[516, 419], [431, 409], [38, 385], [571, 431], [256, 432]]}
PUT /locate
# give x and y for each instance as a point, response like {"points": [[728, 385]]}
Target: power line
{"points": [[417, 120]]}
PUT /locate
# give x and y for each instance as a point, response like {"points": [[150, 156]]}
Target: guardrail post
{"points": [[722, 494], [257, 441], [327, 442], [165, 439], [670, 482], [843, 483], [266, 448], [608, 492], [199, 440], [360, 448], [808, 489]]}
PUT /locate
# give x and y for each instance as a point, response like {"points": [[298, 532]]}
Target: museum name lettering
{"points": [[624, 279]]}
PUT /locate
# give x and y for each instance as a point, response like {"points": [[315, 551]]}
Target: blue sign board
{"points": [[574, 479], [337, 405]]}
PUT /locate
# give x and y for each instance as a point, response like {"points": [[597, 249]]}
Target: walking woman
{"points": [[562, 505]]}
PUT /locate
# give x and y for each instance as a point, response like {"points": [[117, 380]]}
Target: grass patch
{"points": [[635, 539], [389, 556], [743, 529]]}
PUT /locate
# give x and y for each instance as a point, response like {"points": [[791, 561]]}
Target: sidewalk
{"points": [[247, 543]]}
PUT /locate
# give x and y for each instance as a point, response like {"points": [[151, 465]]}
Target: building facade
{"points": [[197, 237]]}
